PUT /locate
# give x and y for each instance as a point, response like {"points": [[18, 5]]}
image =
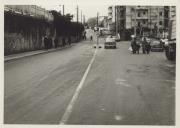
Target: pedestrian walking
{"points": [[63, 41], [145, 46], [46, 42], [49, 42], [144, 42], [69, 40], [134, 45], [56, 42], [91, 38], [84, 36]]}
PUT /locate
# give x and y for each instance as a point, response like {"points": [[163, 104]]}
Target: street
{"points": [[120, 88]]}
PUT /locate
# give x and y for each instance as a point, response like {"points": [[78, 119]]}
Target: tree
{"points": [[92, 22], [64, 25]]}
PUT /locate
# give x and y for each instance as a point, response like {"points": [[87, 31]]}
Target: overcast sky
{"points": [[87, 10]]}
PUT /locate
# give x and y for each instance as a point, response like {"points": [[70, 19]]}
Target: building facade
{"points": [[139, 20], [111, 18], [30, 10]]}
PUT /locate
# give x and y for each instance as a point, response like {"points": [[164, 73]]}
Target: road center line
{"points": [[68, 111]]}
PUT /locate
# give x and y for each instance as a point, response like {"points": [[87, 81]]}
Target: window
{"points": [[160, 22], [139, 14], [144, 22], [160, 13], [139, 24], [144, 13]]}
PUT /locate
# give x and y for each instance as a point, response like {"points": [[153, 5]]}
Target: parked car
{"points": [[110, 42], [170, 50], [156, 46], [116, 38], [106, 32], [170, 45]]}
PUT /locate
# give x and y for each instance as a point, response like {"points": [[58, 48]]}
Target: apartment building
{"points": [[111, 17], [30, 10], [139, 20]]}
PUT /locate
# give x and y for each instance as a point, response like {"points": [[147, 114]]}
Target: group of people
{"points": [[48, 42], [146, 47]]}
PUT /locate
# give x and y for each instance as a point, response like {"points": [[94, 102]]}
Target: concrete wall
{"points": [[24, 33]]}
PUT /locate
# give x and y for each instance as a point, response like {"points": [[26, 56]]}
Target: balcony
{"points": [[110, 9], [142, 17], [109, 17], [141, 8]]}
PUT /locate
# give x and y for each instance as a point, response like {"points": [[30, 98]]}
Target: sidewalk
{"points": [[31, 53]]}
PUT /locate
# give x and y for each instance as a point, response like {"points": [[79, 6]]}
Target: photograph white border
{"points": [[90, 2]]}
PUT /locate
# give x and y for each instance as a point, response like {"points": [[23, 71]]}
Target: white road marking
{"points": [[118, 117], [170, 65], [68, 111], [102, 108], [122, 82], [173, 81], [170, 81]]}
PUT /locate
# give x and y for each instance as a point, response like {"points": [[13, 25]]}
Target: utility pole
{"points": [[81, 16], [77, 14], [150, 23], [115, 17], [63, 10], [97, 19], [84, 19], [158, 33], [98, 32], [116, 21], [135, 21]]}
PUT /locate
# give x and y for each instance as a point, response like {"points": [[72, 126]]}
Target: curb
{"points": [[25, 54]]}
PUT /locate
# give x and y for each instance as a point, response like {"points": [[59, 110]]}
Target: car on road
{"points": [[164, 41], [110, 42], [116, 38], [157, 46], [105, 32]]}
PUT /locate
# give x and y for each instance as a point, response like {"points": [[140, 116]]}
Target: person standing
{"points": [[46, 42], [50, 42], [134, 44], [56, 42], [69, 40], [84, 35], [144, 44], [91, 38], [63, 41]]}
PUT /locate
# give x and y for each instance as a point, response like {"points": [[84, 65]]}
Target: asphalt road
{"points": [[120, 88]]}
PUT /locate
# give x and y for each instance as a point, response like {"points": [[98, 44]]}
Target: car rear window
{"points": [[110, 40]]}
